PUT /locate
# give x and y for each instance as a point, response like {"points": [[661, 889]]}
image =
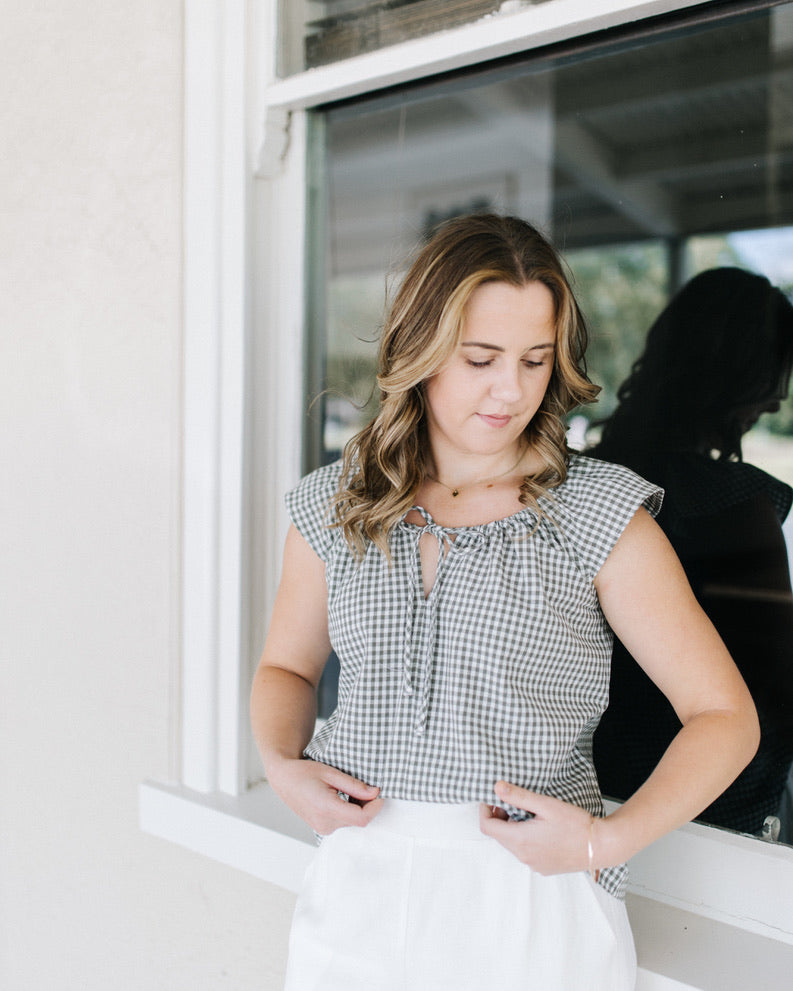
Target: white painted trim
{"points": [[234, 321], [491, 37], [215, 319], [254, 832], [678, 950], [234, 226], [698, 869], [201, 397], [278, 203]]}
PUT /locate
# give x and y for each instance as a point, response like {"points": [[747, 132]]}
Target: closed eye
{"points": [[489, 361]]}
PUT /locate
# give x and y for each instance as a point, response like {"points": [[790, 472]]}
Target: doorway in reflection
{"points": [[648, 159]]}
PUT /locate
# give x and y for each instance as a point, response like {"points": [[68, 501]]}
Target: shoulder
{"points": [[591, 483], [596, 502], [317, 487], [309, 505]]}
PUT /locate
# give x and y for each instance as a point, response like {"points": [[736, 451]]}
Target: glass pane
{"points": [[647, 163]]}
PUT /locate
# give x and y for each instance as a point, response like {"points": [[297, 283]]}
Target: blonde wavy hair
{"points": [[386, 462]]}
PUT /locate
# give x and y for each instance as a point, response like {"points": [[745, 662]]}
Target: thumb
{"points": [[353, 787]]}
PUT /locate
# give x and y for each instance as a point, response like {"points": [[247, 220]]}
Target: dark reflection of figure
{"points": [[718, 356]]}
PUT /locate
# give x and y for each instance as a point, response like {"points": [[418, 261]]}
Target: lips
{"points": [[493, 420]]}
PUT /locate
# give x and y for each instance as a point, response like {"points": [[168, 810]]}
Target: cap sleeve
{"points": [[600, 499], [309, 507]]}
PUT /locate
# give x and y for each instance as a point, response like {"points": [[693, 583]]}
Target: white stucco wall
{"points": [[90, 323]]}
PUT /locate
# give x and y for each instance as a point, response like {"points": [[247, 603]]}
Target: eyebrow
{"points": [[495, 347]]}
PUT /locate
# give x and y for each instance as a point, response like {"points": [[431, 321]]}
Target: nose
{"points": [[506, 386]]}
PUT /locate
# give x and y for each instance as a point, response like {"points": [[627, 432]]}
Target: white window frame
{"points": [[244, 192]]}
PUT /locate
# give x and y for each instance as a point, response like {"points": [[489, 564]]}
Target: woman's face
{"points": [[482, 399]]}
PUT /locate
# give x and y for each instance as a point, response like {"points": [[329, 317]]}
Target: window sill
{"points": [[254, 832], [695, 927]]}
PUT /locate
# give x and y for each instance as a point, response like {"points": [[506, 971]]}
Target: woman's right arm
{"points": [[283, 699]]}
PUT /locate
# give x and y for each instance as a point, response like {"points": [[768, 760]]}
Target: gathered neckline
{"points": [[527, 512], [431, 521]]}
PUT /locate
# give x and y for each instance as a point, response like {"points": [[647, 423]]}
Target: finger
{"points": [[494, 825], [347, 814], [522, 798], [486, 813], [491, 812], [370, 810], [351, 786]]}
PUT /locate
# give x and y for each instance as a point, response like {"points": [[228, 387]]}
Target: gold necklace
{"points": [[455, 491]]}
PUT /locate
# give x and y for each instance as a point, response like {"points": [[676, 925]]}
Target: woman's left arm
{"points": [[648, 602], [645, 596]]}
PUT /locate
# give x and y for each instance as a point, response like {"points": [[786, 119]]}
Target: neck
{"points": [[456, 474]]}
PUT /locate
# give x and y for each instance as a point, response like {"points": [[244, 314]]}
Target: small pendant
{"points": [[455, 493]]}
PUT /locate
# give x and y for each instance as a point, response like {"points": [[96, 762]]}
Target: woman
{"points": [[467, 568], [716, 358]]}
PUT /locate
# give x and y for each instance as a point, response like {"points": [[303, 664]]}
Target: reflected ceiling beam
{"points": [[503, 113], [704, 154], [520, 126], [585, 161], [740, 211], [492, 133], [443, 152], [623, 90], [524, 122]]}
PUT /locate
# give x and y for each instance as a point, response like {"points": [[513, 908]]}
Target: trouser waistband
{"points": [[429, 819]]}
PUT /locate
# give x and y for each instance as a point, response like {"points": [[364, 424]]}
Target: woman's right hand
{"points": [[283, 699], [311, 790]]}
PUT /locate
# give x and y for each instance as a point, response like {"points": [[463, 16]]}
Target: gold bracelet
{"points": [[593, 872]]}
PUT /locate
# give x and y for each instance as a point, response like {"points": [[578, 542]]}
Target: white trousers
{"points": [[421, 900]]}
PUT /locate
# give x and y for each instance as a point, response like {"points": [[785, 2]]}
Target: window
{"points": [[646, 159]]}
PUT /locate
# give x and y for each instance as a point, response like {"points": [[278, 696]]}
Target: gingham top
{"points": [[501, 672]]}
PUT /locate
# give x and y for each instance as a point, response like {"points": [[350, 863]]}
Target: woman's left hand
{"points": [[555, 841]]}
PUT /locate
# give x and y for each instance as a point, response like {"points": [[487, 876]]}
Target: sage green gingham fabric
{"points": [[501, 672]]}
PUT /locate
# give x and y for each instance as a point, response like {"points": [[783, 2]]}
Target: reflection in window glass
{"points": [[316, 32], [646, 162], [768, 252], [621, 288]]}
